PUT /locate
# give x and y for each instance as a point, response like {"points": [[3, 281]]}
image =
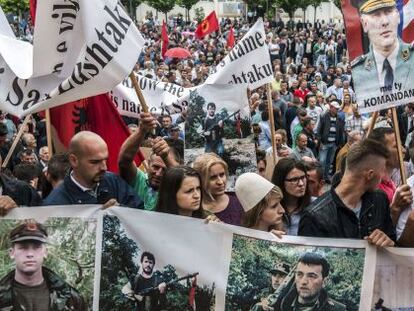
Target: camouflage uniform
{"points": [[63, 297]]}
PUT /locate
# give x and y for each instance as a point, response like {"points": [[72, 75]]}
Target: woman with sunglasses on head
{"points": [[290, 176]]}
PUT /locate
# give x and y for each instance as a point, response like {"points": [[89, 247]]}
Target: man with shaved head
{"points": [[89, 182]]}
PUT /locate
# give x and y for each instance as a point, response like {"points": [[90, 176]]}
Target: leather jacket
{"points": [[329, 217]]}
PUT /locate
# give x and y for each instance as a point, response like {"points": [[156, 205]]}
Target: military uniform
{"points": [[365, 72], [372, 94], [62, 296], [323, 303]]}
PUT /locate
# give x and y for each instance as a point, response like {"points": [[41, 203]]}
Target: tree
{"points": [[315, 4], [130, 6], [289, 6], [187, 5], [163, 6], [14, 6]]}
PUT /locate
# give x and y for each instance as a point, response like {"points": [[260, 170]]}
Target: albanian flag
{"points": [[230, 38], [208, 25], [164, 39]]}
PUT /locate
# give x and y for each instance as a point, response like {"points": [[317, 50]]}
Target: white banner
{"points": [[81, 49], [170, 98], [248, 62], [104, 256]]}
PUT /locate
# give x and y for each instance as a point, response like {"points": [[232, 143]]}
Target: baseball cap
{"points": [[28, 231], [335, 104], [251, 188]]}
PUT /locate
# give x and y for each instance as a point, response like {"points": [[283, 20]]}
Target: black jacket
{"points": [[329, 217], [21, 192], [325, 124]]}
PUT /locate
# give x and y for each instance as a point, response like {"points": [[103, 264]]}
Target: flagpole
{"points": [[372, 123], [49, 133], [15, 142], [399, 145], [138, 92], [272, 120]]}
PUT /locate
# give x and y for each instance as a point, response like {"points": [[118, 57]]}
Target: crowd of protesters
{"points": [[330, 178]]}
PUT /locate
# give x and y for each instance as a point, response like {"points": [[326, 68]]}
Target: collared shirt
{"points": [[91, 191], [379, 60]]}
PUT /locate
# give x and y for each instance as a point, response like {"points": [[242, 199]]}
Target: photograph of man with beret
{"points": [[31, 286]]}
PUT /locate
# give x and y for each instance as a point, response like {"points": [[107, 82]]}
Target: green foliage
{"points": [[290, 6], [194, 122], [187, 5], [252, 260], [199, 14], [14, 6], [71, 251], [131, 6], [163, 6], [119, 254]]}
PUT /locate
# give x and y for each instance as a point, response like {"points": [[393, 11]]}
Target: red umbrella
{"points": [[177, 53]]}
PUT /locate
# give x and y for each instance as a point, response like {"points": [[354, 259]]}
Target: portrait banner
{"points": [[56, 244], [128, 259], [220, 125], [81, 49], [247, 63], [382, 58]]}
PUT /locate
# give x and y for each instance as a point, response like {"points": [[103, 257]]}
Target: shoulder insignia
{"points": [[358, 60], [405, 53]]}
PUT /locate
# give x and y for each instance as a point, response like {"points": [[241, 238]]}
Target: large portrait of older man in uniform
{"points": [[383, 77]]}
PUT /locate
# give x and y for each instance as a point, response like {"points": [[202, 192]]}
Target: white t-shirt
{"points": [[402, 220]]}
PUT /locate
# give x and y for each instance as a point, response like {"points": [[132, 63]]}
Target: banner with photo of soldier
{"points": [[80, 49], [247, 63], [379, 37], [48, 258], [155, 261], [299, 274], [220, 125], [394, 280]]}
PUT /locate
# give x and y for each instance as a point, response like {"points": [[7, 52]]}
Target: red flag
{"points": [[164, 39], [208, 25], [33, 4], [191, 295], [96, 114], [230, 38]]}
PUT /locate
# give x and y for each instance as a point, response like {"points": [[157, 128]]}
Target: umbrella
{"points": [[177, 53]]}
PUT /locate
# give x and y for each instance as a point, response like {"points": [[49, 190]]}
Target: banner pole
{"points": [[372, 123], [399, 145], [15, 142], [49, 133], [138, 92], [272, 121]]}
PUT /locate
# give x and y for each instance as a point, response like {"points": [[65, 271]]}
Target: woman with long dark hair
{"points": [[290, 176], [180, 192]]}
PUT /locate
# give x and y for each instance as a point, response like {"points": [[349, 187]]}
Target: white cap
{"points": [[251, 188]]}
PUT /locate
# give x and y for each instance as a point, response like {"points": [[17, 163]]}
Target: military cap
{"points": [[28, 231], [282, 268], [369, 6]]}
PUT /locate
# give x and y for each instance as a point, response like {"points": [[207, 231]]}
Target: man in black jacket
{"points": [[354, 209]]}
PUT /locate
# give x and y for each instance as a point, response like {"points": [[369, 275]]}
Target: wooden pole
{"points": [[399, 145], [139, 92], [271, 120], [49, 133], [16, 140], [372, 123]]}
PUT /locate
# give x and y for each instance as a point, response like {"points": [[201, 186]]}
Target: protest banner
{"points": [[60, 245], [101, 255], [394, 279], [383, 70], [220, 124], [247, 63], [94, 46]]}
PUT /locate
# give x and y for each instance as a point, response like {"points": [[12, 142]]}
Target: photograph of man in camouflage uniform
{"points": [[31, 286], [277, 274]]}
